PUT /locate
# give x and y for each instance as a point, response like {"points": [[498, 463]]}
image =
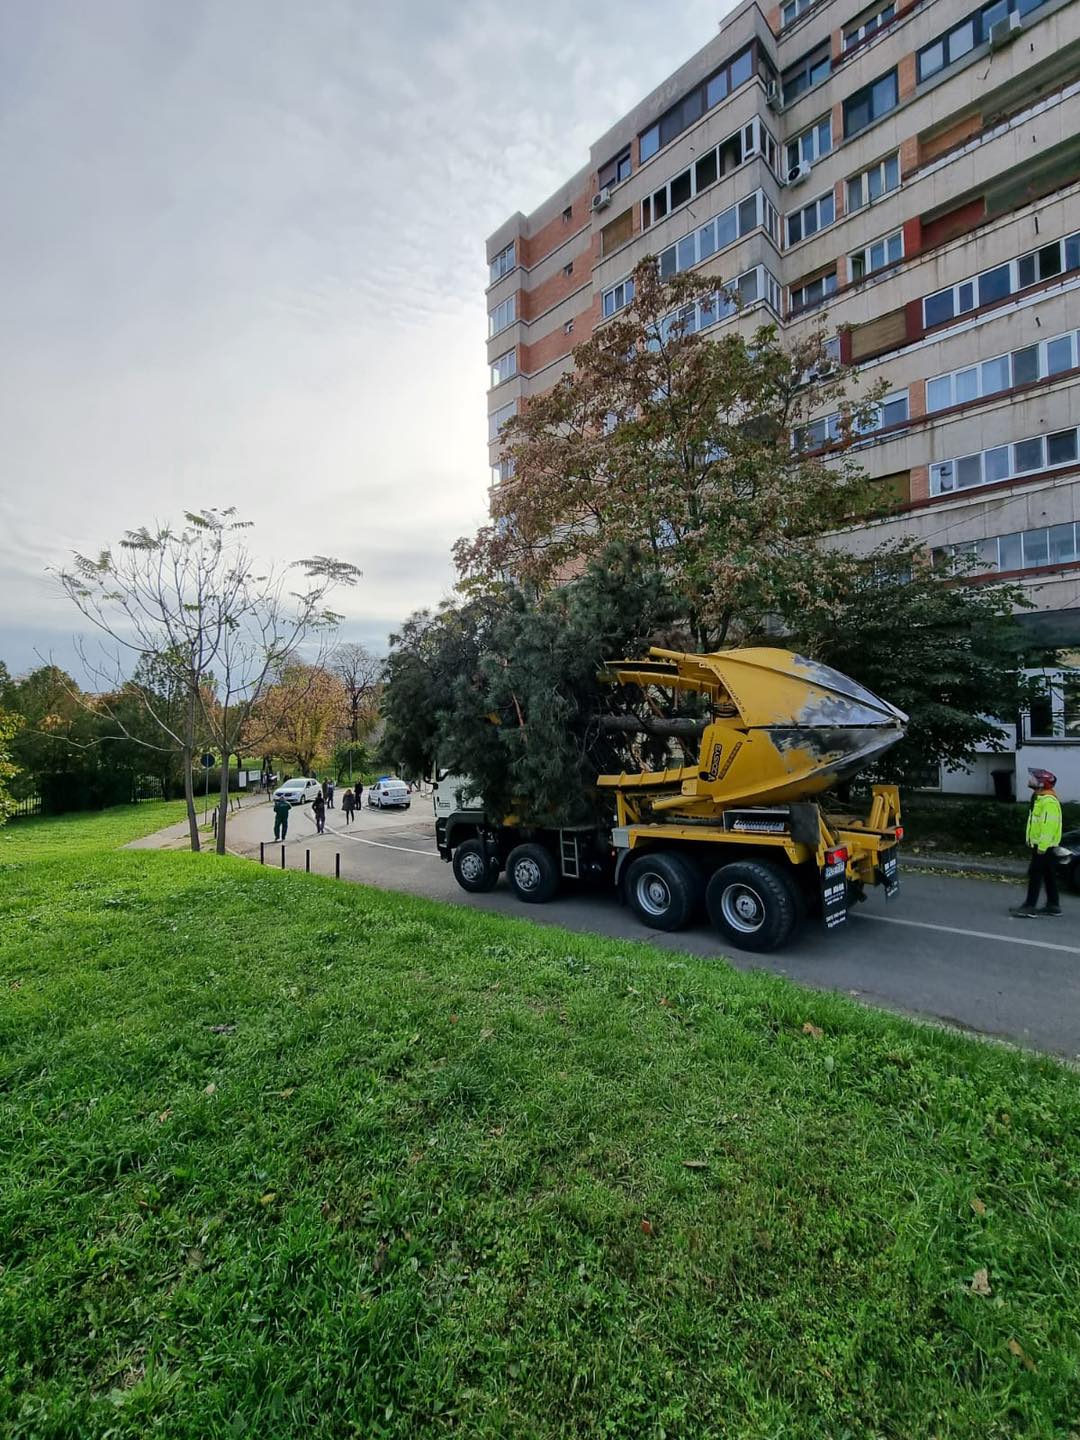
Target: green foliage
{"points": [[971, 825], [9, 727], [352, 1163], [513, 701], [948, 654]]}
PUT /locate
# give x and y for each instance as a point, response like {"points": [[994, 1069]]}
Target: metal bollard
{"points": [[337, 865], [307, 861], [283, 857], [262, 852]]}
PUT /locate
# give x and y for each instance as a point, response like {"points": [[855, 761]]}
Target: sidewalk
{"points": [[178, 837], [930, 860]]}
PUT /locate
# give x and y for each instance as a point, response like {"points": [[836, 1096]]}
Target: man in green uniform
{"points": [[281, 819], [1043, 838]]}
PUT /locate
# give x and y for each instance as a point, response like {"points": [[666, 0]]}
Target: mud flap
{"points": [[888, 873], [834, 896]]}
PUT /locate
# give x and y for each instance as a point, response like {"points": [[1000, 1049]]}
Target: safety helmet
{"points": [[1045, 778]]}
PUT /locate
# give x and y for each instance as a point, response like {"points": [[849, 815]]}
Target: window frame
{"points": [[493, 328], [1013, 470], [499, 260], [495, 425], [826, 199], [867, 92], [796, 150], [865, 254], [616, 165], [1042, 347], [808, 304], [959, 310], [700, 99], [626, 285], [766, 217], [754, 140], [806, 65], [980, 20], [859, 31], [862, 178], [497, 377]]}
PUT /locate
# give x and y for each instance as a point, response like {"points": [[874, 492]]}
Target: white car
{"points": [[301, 790], [388, 792]]}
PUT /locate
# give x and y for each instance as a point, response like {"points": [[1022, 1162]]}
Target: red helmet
{"points": [[1045, 778]]}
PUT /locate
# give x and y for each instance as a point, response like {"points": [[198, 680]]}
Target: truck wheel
{"points": [[753, 904], [664, 890], [474, 869], [532, 874]]}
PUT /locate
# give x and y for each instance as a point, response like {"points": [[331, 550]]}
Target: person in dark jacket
{"points": [[318, 809], [358, 791], [348, 805], [1043, 838], [328, 791], [281, 819]]}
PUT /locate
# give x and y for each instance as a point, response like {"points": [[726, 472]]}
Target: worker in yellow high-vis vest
{"points": [[1043, 838]]}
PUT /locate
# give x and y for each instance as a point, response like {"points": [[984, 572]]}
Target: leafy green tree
{"points": [[9, 726], [680, 445], [948, 652]]}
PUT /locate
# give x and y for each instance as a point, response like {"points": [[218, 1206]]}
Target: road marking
{"points": [[382, 845], [972, 934]]}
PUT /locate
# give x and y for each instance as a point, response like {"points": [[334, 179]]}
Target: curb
{"points": [[965, 865]]}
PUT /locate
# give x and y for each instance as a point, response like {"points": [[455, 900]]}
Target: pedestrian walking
{"points": [[329, 794], [281, 819], [1043, 838], [358, 791], [348, 805], [318, 809]]}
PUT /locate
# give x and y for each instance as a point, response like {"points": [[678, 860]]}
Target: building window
{"points": [[875, 256], [1057, 258], [503, 315], [1020, 550], [810, 70], [870, 103], [794, 8], [618, 297], [748, 288], [891, 412], [502, 470], [504, 367], [498, 418], [811, 145], [810, 219], [568, 268], [722, 230], [568, 328], [748, 140], [615, 171], [503, 263], [568, 214], [868, 25], [1004, 462], [813, 292], [968, 33], [694, 104], [1004, 372], [870, 185]]}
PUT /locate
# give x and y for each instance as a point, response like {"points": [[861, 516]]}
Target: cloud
{"points": [[243, 263]]}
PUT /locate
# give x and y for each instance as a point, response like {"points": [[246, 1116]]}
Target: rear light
{"points": [[898, 831], [833, 856]]}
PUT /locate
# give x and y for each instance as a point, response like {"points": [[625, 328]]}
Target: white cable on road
{"points": [[973, 934]]}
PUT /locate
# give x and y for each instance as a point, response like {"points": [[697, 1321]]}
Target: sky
{"points": [[242, 263]]}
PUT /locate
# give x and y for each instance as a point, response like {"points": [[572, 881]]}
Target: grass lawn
{"points": [[280, 1157]]}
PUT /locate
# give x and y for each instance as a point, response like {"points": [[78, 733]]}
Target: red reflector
{"points": [[832, 856], [898, 831]]}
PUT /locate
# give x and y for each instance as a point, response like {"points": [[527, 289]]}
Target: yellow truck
{"points": [[740, 833]]}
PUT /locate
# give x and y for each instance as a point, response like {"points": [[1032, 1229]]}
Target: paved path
{"points": [[945, 948]]}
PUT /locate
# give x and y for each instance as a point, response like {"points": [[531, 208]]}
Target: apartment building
{"points": [[909, 171]]}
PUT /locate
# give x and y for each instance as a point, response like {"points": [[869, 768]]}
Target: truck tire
{"points": [[532, 873], [664, 890], [753, 904], [475, 870]]}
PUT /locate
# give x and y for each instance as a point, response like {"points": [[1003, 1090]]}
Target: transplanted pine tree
{"points": [[682, 445]]}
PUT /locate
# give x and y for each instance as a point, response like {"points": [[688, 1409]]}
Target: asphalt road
{"points": [[945, 948]]}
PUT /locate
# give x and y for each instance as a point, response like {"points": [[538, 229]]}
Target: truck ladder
{"points": [[568, 855]]}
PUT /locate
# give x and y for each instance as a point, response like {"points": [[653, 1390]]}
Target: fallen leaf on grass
{"points": [[1015, 1348], [814, 1030], [696, 1164], [646, 1227], [195, 1259], [453, 1019], [164, 1116], [222, 1029], [665, 1002], [380, 1259], [977, 1205], [210, 1089], [486, 1034], [980, 1282], [268, 1198], [287, 1093]]}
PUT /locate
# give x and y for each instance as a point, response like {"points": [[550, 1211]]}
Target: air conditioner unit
{"points": [[602, 199], [1004, 30], [798, 173], [774, 97]]}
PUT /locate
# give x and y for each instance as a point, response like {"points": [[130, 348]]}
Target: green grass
{"points": [[280, 1157], [55, 837]]}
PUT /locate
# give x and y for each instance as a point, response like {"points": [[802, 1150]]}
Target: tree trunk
{"points": [[189, 783], [223, 791]]}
